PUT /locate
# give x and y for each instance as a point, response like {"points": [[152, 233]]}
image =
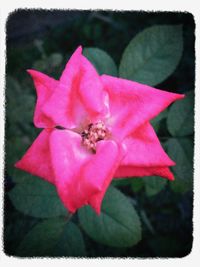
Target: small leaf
{"points": [[101, 60], [153, 54], [181, 186], [181, 151], [180, 120], [118, 224], [55, 60], [137, 184], [154, 184], [37, 198], [121, 181], [52, 237]]}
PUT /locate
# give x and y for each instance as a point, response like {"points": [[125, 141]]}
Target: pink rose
{"points": [[95, 128]]}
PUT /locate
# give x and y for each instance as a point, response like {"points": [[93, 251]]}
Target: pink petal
{"points": [[144, 149], [80, 173], [37, 159], [132, 171], [132, 104], [80, 96], [45, 86], [145, 155]]}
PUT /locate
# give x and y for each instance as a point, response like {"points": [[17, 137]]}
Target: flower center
{"points": [[94, 133]]}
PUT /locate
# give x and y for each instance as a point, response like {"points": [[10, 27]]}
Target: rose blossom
{"points": [[95, 128]]}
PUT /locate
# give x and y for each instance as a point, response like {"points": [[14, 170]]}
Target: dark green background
{"points": [[61, 32]]}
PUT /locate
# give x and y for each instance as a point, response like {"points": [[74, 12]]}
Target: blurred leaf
{"points": [[181, 151], [47, 237], [14, 147], [181, 186], [101, 60], [40, 65], [16, 226], [157, 120], [137, 184], [19, 107], [121, 181], [180, 120], [37, 198], [55, 60], [153, 54], [154, 184], [118, 225], [48, 63]]}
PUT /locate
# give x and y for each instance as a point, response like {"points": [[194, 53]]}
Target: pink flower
{"points": [[95, 128]]}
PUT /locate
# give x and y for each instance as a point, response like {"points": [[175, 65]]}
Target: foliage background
{"points": [[44, 40]]}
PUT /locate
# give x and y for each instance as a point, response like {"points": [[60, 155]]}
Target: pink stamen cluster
{"points": [[94, 133]]}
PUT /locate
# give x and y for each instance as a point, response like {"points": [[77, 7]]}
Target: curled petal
{"points": [[80, 95], [144, 149], [79, 173], [37, 159], [132, 171], [132, 104], [45, 86], [144, 155]]}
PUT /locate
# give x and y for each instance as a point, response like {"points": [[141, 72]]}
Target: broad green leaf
{"points": [[181, 151], [37, 198], [158, 119], [53, 237], [71, 242], [153, 54], [118, 225], [137, 184], [180, 120], [154, 184], [102, 61]]}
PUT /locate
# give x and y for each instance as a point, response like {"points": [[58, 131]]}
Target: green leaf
{"points": [[153, 54], [103, 62], [37, 198], [52, 237], [121, 182], [118, 225], [154, 184], [19, 100], [180, 120], [71, 242], [158, 119], [137, 184], [55, 60], [181, 151], [181, 186]]}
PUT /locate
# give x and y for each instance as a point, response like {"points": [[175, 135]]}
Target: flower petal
{"points": [[80, 173], [80, 95], [45, 86], [145, 155], [37, 159], [132, 171], [132, 104], [144, 149]]}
